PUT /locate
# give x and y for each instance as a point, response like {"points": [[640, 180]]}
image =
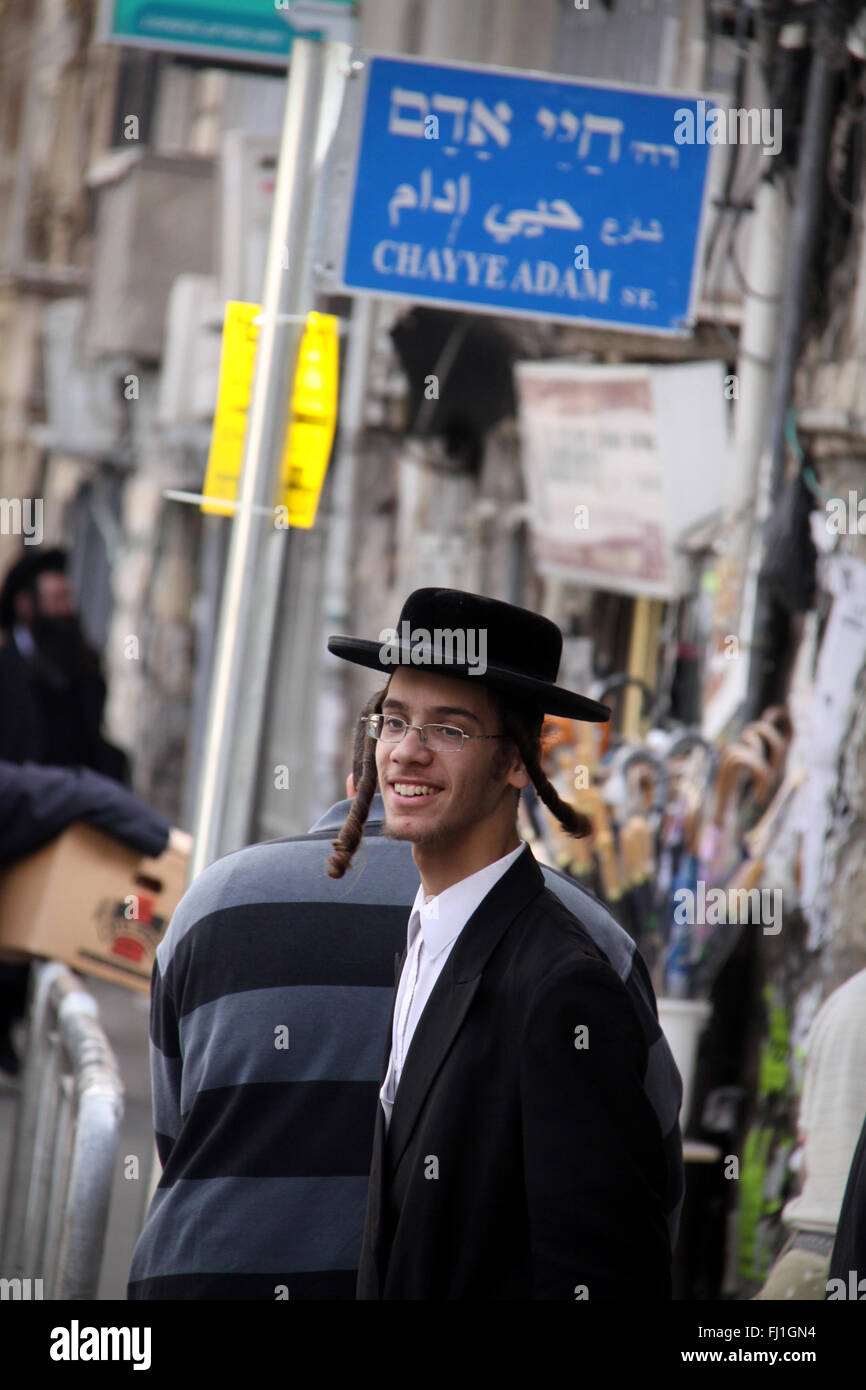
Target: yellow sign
{"points": [[312, 416], [312, 420], [240, 337]]}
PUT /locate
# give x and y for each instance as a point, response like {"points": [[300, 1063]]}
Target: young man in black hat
{"points": [[278, 1141], [516, 1153]]}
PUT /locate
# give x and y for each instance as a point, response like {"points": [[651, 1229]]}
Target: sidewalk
{"points": [[123, 1014]]}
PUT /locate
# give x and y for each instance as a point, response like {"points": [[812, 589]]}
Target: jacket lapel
{"points": [[372, 1271], [452, 995]]}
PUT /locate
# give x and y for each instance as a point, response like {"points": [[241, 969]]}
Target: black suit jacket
{"points": [[59, 726], [523, 1159]]}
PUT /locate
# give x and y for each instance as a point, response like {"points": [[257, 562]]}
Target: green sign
{"points": [[246, 31]]}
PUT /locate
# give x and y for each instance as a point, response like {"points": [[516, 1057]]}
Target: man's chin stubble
{"points": [[436, 835]]}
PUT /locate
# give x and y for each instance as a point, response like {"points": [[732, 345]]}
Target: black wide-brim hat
{"points": [[442, 629]]}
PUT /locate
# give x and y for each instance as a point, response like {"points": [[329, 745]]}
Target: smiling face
{"points": [[457, 808]]}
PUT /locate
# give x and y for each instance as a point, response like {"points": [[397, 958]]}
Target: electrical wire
{"points": [[848, 118], [738, 205], [805, 469], [714, 298], [739, 81]]}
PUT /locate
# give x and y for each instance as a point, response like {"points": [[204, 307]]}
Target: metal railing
{"points": [[66, 1140]]}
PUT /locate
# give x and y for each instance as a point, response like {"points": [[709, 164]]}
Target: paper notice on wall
{"points": [[593, 473], [842, 656], [611, 475]]}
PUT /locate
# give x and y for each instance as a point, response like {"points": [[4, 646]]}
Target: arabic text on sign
{"points": [[454, 199]]}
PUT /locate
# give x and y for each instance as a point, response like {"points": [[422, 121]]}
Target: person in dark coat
{"points": [[37, 803], [52, 696], [52, 693], [516, 1154]]}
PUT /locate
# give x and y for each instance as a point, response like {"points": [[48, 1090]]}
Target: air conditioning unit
{"points": [[154, 222]]}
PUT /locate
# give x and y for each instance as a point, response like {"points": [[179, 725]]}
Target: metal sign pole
{"points": [[257, 547]]}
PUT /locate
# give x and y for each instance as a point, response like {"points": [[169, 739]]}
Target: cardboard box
{"points": [[94, 903]]}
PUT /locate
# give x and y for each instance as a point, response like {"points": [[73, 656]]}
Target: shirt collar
{"points": [[24, 640], [443, 918]]}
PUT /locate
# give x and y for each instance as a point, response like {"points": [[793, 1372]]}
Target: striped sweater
{"points": [[270, 1002]]}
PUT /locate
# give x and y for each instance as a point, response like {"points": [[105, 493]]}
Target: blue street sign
{"points": [[523, 194]]}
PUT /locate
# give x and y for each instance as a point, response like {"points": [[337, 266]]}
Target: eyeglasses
{"points": [[439, 738]]}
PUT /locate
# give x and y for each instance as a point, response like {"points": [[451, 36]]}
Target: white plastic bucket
{"points": [[682, 1022]]}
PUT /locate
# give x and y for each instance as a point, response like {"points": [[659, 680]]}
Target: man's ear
{"points": [[517, 774]]}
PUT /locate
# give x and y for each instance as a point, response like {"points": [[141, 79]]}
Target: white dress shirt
{"points": [[434, 926], [24, 639]]}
